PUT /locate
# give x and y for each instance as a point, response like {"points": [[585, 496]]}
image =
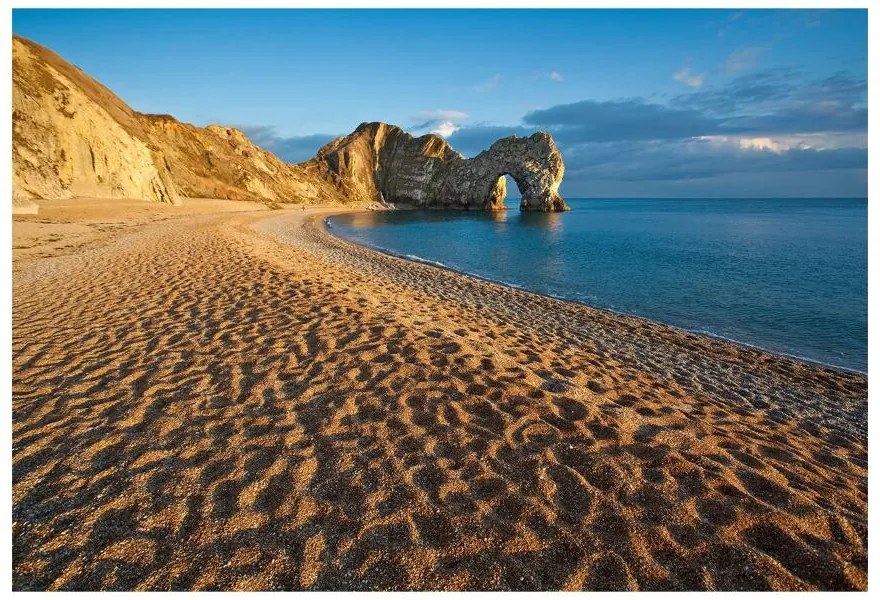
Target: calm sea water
{"points": [[788, 275]]}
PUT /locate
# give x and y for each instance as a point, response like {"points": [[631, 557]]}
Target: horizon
{"points": [[701, 103]]}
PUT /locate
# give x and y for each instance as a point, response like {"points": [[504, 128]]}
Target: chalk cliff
{"points": [[72, 137]]}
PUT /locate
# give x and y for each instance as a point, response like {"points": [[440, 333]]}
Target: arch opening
{"points": [[508, 192]]}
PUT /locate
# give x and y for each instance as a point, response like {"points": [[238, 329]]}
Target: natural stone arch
{"points": [[383, 163], [534, 163], [532, 195]]}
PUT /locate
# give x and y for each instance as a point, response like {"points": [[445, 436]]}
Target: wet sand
{"points": [[230, 398]]}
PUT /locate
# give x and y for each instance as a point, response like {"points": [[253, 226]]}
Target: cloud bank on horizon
{"points": [[758, 134], [739, 130], [640, 102]]}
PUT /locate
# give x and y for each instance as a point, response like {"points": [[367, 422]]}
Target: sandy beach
{"points": [[222, 396]]}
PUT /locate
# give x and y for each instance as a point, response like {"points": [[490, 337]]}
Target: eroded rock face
{"points": [[534, 163], [381, 162], [72, 137]]}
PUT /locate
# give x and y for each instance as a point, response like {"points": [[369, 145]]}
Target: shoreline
{"points": [[234, 398], [416, 259], [717, 356]]}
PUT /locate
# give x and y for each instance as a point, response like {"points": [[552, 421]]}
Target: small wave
{"points": [[422, 260]]}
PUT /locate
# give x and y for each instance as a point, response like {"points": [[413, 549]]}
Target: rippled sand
{"points": [[238, 400]]}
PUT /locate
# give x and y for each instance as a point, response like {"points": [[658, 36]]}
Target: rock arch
{"points": [[381, 162], [534, 163]]}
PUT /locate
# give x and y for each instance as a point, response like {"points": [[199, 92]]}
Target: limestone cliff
{"points": [[73, 137], [382, 162]]}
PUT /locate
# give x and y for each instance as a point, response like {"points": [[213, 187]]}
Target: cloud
{"points": [[750, 143], [763, 89], [825, 140], [473, 139], [555, 76], [445, 129], [774, 132], [440, 115], [784, 100], [689, 78], [701, 158], [822, 116], [290, 149], [743, 59], [632, 119], [763, 143], [766, 104], [441, 122], [489, 84]]}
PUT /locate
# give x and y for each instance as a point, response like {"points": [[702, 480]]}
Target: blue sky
{"points": [[641, 102]]}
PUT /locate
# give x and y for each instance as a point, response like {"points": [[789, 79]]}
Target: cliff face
{"points": [[73, 137], [380, 161], [383, 162], [221, 162]]}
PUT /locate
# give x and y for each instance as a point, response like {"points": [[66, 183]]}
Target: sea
{"points": [[786, 275]]}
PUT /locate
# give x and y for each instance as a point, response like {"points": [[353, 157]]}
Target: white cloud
{"points": [[746, 143], [489, 84], [783, 143], [441, 122], [763, 143], [445, 129], [757, 144], [743, 59], [689, 78], [555, 76]]}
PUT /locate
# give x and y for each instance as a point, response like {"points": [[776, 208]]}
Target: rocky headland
{"points": [[72, 137], [383, 162]]}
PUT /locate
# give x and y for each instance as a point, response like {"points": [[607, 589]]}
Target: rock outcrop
{"points": [[72, 137], [381, 162]]}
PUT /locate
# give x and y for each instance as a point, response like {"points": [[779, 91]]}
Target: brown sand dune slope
{"points": [[258, 405]]}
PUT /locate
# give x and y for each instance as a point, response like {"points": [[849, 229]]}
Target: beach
{"points": [[222, 396]]}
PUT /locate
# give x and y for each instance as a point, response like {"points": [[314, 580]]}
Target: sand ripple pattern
{"points": [[197, 405]]}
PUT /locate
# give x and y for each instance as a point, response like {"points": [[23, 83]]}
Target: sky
{"points": [[642, 103]]}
